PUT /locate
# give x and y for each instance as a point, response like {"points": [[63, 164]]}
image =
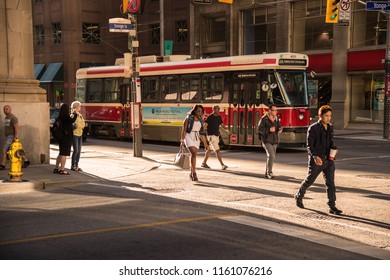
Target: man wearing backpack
{"points": [[11, 130], [269, 129]]}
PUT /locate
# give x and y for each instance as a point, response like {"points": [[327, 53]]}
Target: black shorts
{"points": [[65, 147]]}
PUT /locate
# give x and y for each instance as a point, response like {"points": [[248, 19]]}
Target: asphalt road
{"points": [[103, 222], [233, 214]]}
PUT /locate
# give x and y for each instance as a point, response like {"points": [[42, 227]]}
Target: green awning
{"points": [[38, 70], [53, 73]]}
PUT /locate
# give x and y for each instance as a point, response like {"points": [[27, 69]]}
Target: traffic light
{"points": [[332, 11]]}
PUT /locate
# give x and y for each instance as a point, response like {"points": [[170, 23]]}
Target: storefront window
{"points": [[369, 28], [309, 27], [260, 30], [367, 102]]}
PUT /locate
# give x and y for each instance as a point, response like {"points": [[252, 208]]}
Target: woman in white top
{"points": [[191, 135]]}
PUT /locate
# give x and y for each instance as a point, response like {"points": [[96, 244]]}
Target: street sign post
{"points": [[129, 26]]}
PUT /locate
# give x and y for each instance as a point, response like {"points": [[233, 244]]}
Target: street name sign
{"points": [[120, 25], [378, 6]]}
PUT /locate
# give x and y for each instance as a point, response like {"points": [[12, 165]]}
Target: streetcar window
{"points": [[95, 89], [236, 94], [190, 87], [274, 96], [294, 84], [111, 90], [150, 89], [169, 88], [212, 87], [80, 91]]}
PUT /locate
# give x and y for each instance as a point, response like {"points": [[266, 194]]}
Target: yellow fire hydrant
{"points": [[16, 154]]}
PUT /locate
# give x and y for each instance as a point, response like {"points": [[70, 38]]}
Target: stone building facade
{"points": [[18, 88]]}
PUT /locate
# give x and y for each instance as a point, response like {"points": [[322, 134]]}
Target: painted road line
{"points": [[311, 235], [79, 233]]}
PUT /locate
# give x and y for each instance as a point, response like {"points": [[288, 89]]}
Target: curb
{"points": [[19, 187]]}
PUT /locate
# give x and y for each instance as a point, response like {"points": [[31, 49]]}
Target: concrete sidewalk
{"points": [[358, 134], [39, 177]]}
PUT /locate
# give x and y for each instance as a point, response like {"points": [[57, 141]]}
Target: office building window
{"points": [[56, 32], [369, 28], [215, 31], [91, 33], [155, 34], [310, 32], [39, 35], [260, 30], [181, 31]]}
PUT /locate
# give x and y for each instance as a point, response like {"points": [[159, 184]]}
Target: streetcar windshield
{"points": [[293, 85]]}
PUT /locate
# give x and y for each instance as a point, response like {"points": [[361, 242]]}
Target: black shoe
{"points": [[334, 210], [2, 167], [26, 164], [298, 201]]}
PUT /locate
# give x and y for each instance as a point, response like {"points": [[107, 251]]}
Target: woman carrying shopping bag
{"points": [[191, 135]]}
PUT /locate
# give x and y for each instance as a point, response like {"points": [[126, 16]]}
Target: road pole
{"points": [[135, 98], [386, 112]]}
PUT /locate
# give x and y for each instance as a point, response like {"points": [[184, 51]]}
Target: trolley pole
{"points": [[386, 112], [136, 122]]}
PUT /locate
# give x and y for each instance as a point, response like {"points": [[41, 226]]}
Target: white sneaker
{"points": [[224, 167]]}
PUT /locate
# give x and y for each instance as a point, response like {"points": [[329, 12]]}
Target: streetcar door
{"points": [[243, 112]]}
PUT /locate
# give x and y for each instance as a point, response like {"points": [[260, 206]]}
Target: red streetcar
{"points": [[242, 86]]}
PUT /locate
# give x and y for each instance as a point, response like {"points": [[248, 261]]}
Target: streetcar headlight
{"points": [[300, 116]]}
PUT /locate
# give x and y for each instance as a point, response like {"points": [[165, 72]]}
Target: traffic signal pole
{"points": [[386, 112]]}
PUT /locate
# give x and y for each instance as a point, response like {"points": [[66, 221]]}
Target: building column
{"points": [[340, 101], [18, 88]]}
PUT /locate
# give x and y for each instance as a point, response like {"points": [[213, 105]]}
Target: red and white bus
{"points": [[243, 87]]}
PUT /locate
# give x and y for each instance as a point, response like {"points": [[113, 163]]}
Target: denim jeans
{"points": [[270, 149], [77, 143], [328, 169]]}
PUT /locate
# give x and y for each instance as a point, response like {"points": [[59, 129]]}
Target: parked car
{"points": [[54, 112]]}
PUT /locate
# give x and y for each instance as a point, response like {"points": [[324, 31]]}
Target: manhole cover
{"points": [[316, 216]]}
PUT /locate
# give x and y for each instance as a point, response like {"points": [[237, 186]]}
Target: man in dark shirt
{"points": [[212, 124], [319, 143], [11, 130]]}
